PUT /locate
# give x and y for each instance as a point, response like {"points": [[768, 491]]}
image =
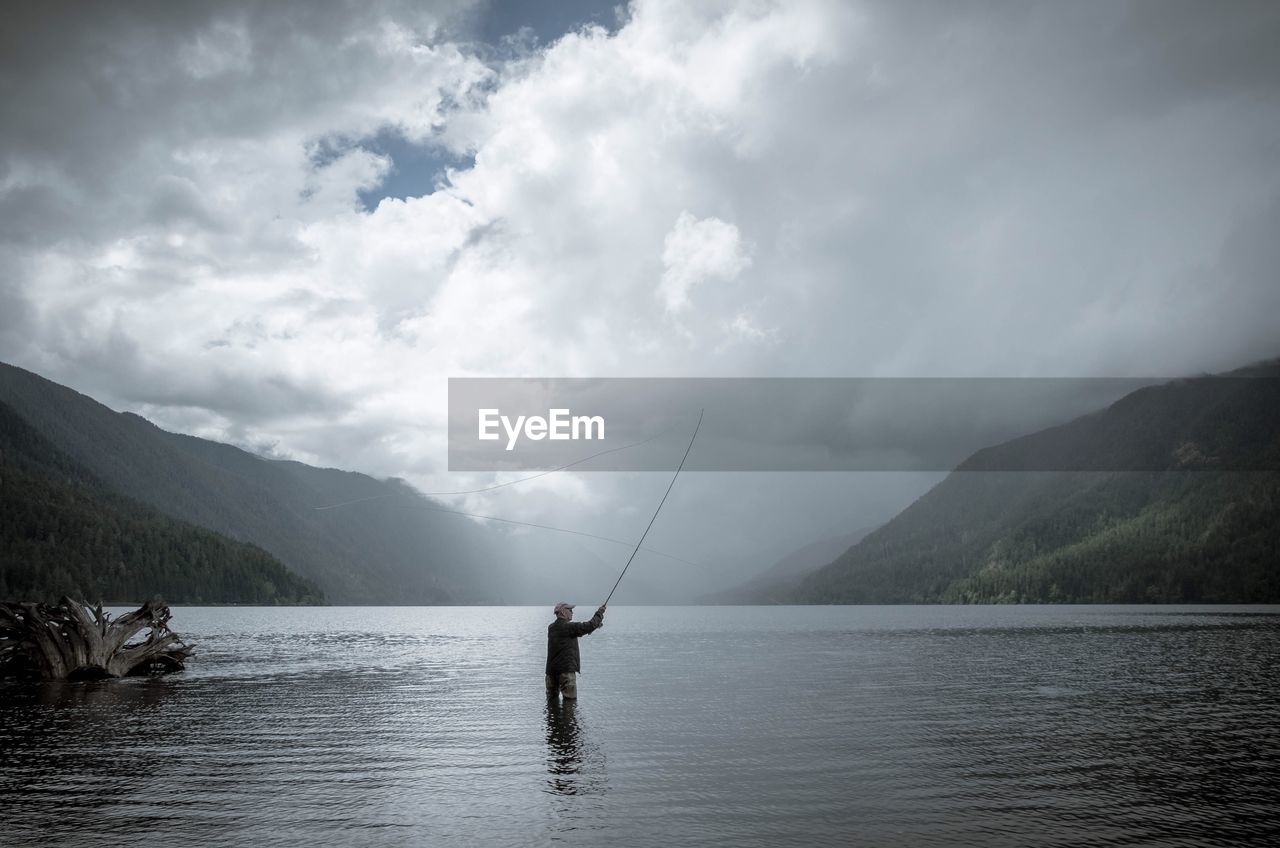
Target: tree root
{"points": [[74, 641]]}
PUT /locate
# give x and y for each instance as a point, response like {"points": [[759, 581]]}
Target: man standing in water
{"points": [[563, 663]]}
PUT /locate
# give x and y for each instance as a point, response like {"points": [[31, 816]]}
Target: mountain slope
{"points": [[62, 532], [384, 549], [1172, 494], [778, 582]]}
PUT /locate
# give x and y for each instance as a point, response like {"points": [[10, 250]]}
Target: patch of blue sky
{"points": [[494, 20], [418, 169]]}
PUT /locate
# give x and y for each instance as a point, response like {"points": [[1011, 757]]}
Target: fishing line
{"points": [[558, 530], [530, 523], [658, 510], [545, 473], [496, 486]]}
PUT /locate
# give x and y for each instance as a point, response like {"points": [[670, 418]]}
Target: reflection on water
{"points": [[575, 766], [99, 697], [724, 726]]}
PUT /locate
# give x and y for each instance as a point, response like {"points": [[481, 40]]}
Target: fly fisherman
{"points": [[563, 664]]}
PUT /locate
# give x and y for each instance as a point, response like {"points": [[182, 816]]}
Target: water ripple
{"points": [[813, 726]]}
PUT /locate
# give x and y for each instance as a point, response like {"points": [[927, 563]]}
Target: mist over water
{"points": [[710, 726]]}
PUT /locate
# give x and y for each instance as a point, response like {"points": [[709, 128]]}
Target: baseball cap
{"points": [[563, 606]]}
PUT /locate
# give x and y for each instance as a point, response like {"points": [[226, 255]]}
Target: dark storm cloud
{"points": [[132, 132], [86, 88], [1019, 168], [1078, 61], [258, 402], [14, 310]]}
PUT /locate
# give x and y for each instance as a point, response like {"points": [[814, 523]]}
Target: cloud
{"points": [[711, 189], [696, 251]]}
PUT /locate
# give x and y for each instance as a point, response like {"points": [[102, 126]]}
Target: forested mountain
{"points": [[386, 548], [63, 532], [1171, 494]]}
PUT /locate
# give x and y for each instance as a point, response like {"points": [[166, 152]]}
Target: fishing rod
{"points": [[656, 511]]}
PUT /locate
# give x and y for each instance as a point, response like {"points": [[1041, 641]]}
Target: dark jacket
{"points": [[562, 643]]}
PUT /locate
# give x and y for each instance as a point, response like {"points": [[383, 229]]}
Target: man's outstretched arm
{"points": [[582, 628]]}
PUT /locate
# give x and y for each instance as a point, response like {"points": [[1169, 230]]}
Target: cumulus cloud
{"points": [[695, 251]]}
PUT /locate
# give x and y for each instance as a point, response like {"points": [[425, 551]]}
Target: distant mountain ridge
{"points": [[383, 549], [1197, 521]]}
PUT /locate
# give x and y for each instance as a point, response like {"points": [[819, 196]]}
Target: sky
{"points": [[285, 225]]}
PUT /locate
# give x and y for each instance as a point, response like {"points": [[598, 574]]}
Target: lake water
{"points": [[732, 726]]}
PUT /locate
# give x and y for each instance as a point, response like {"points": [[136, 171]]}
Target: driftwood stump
{"points": [[74, 641]]}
